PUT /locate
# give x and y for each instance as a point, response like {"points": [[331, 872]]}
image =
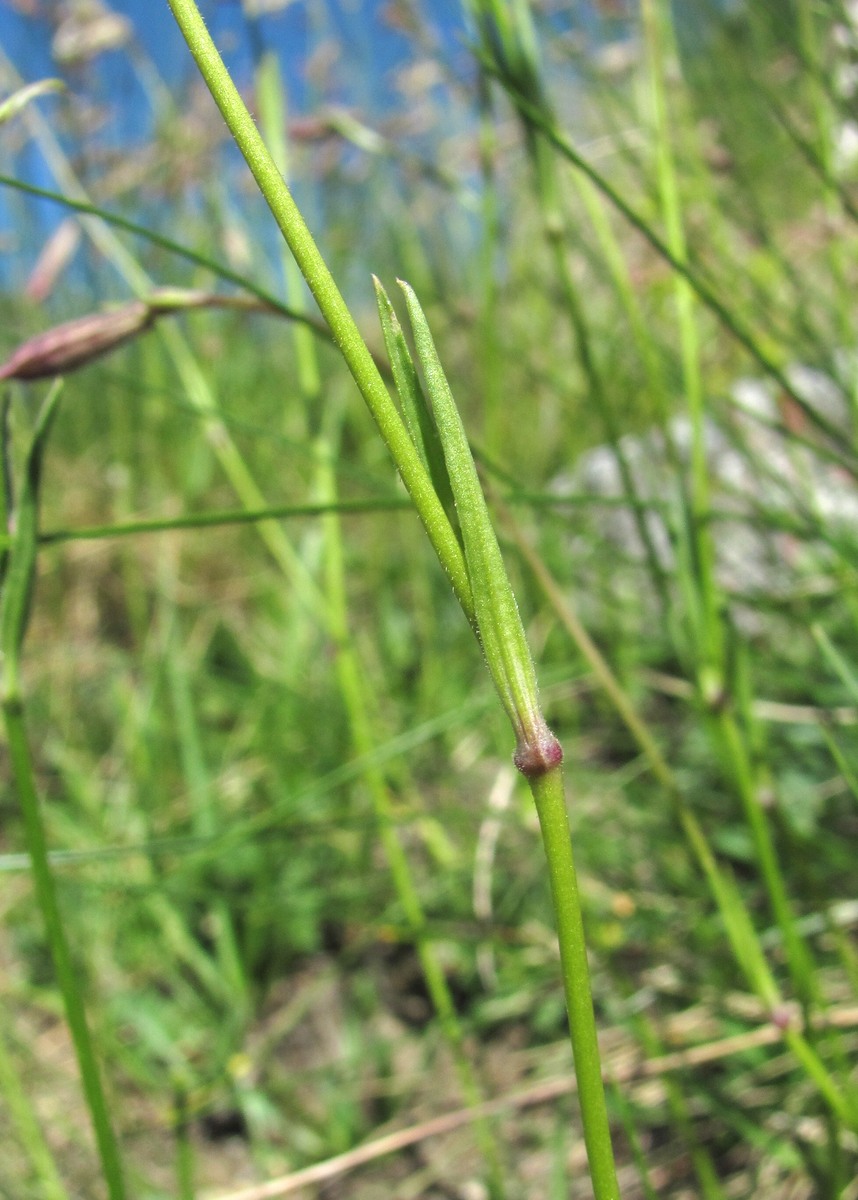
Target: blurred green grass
{"points": [[247, 967]]}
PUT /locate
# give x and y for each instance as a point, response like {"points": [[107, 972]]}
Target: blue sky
{"points": [[113, 84], [368, 42], [370, 47]]}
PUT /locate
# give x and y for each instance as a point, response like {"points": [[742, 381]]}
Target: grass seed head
{"points": [[75, 343]]}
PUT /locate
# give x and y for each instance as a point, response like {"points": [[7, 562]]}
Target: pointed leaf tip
{"points": [[417, 413], [498, 621]]}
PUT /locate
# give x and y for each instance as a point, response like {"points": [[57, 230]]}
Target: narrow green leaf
{"points": [[14, 610], [838, 663], [498, 620], [418, 416], [5, 483], [18, 582]]}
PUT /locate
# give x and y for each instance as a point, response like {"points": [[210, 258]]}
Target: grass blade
{"points": [[499, 624]]}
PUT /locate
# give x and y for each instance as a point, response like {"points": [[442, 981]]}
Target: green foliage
{"points": [[220, 858]]}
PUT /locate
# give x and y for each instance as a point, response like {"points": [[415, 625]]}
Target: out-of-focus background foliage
{"points": [[680, 459]]}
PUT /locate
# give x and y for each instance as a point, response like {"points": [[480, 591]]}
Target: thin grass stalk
{"points": [[554, 230], [491, 352], [14, 610], [509, 40], [802, 968], [706, 619], [203, 812], [759, 346], [185, 1158], [618, 270], [217, 970], [333, 308], [199, 391], [512, 676], [772, 265], [6, 473], [833, 193], [810, 153], [271, 97], [845, 766], [218, 517], [123, 426], [638, 1156], [234, 466], [708, 625], [548, 796], [738, 923], [701, 1159], [23, 1118], [750, 956]]}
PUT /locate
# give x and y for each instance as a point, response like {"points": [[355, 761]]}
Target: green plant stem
{"points": [[204, 814], [86, 208], [705, 603], [24, 1119], [22, 771], [738, 924], [208, 520], [758, 345], [331, 304], [801, 966], [550, 801], [193, 379], [17, 587], [184, 1150], [618, 270], [548, 788], [67, 976], [704, 1168], [554, 228], [822, 152], [491, 351], [271, 98], [703, 600]]}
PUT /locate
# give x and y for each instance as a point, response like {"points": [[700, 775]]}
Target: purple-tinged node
{"points": [[540, 756]]}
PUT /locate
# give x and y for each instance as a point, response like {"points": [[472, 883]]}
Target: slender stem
{"points": [[206, 520], [268, 301], [14, 610], [704, 600], [550, 803], [272, 103], [548, 787], [67, 976], [738, 923], [554, 228], [799, 960], [17, 585], [331, 303], [755, 343], [23, 1119]]}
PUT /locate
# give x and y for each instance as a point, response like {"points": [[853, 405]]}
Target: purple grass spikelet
{"points": [[73, 344]]}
